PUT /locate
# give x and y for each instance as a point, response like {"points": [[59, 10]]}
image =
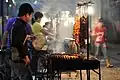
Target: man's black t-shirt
{"points": [[18, 37]]}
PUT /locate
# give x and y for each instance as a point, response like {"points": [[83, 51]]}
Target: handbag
{"points": [[39, 42]]}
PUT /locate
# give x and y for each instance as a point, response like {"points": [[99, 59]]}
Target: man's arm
{"points": [[5, 35], [46, 31], [4, 40]]}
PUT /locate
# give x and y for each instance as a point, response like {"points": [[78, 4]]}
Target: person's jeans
{"points": [[103, 48], [20, 71], [7, 67]]}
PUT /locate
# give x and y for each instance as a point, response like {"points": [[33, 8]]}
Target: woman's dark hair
{"points": [[47, 23], [43, 26], [101, 20], [24, 9], [33, 21], [38, 15]]}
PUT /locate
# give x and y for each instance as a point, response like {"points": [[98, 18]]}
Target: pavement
{"points": [[107, 73], [114, 54]]}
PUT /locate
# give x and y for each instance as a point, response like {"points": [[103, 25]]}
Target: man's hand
{"points": [[27, 60], [29, 37], [32, 37]]}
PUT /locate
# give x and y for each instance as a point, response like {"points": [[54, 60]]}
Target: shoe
{"points": [[108, 65]]}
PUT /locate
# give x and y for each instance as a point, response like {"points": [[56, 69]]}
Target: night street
{"points": [[59, 39]]}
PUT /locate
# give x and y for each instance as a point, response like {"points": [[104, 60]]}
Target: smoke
{"points": [[54, 8]]}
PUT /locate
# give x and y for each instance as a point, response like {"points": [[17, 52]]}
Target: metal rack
{"points": [[88, 51]]}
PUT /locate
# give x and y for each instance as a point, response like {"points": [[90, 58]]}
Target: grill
{"points": [[58, 63], [63, 62]]}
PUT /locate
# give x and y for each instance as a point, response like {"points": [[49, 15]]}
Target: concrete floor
{"points": [[107, 73]]}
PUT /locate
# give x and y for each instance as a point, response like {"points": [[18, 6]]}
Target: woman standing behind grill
{"points": [[49, 35], [38, 31]]}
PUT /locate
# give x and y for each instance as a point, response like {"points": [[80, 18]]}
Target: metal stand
{"points": [[2, 14], [88, 70]]}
